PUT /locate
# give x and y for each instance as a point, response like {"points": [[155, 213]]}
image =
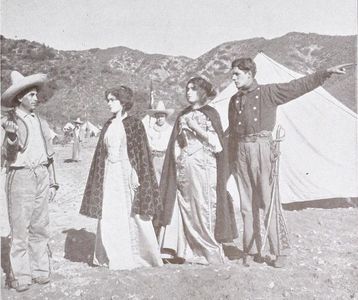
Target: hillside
{"points": [[79, 78], [303, 53]]}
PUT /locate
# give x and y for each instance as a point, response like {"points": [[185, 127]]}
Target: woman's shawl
{"points": [[146, 200], [225, 227]]}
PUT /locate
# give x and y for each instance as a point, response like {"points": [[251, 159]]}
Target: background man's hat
{"points": [[78, 121], [160, 108], [20, 83]]}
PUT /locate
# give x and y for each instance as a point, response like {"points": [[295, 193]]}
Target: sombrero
{"points": [[78, 121], [20, 83], [160, 108]]}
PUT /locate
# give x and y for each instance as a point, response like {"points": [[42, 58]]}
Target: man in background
{"points": [[158, 135], [77, 140]]}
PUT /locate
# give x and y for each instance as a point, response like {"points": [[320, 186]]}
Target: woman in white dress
{"points": [[122, 191], [197, 213]]}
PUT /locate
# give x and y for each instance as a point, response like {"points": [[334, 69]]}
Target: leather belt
{"points": [[27, 167], [254, 137], [157, 153]]}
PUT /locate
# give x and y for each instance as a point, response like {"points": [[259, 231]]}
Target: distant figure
{"points": [[77, 140], [67, 137], [158, 136], [122, 190], [252, 117], [197, 214], [28, 156]]}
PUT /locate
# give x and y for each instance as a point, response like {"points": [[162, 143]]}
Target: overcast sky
{"points": [[176, 27]]}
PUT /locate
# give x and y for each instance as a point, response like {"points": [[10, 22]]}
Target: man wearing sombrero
{"points": [[77, 139], [27, 154], [158, 135]]}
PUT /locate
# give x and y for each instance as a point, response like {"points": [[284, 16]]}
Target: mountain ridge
{"points": [[78, 79]]}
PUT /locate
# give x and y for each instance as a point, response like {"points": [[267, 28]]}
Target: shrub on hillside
{"points": [[106, 69], [5, 64], [48, 90], [7, 48], [93, 50], [43, 53]]}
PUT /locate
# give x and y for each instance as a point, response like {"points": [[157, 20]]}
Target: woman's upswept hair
{"points": [[245, 64], [205, 85], [124, 94]]}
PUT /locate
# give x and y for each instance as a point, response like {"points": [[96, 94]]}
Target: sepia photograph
{"points": [[156, 149]]}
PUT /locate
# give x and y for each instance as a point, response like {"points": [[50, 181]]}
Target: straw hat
{"points": [[78, 121], [20, 83], [160, 108]]}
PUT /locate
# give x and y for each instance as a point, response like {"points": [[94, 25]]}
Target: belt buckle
{"points": [[252, 138]]}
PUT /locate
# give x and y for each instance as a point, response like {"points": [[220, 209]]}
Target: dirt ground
{"points": [[323, 263]]}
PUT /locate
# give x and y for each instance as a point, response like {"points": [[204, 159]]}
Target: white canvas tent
{"points": [[53, 134], [319, 156], [90, 129]]}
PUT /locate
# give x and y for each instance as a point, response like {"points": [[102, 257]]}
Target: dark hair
{"points": [[156, 115], [203, 84], [124, 94], [23, 93], [245, 64]]}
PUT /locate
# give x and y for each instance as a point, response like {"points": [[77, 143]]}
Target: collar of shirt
{"points": [[119, 117], [164, 127], [241, 92], [251, 88], [24, 114]]}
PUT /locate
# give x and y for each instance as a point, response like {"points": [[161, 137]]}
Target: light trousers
{"points": [[27, 193], [252, 172]]}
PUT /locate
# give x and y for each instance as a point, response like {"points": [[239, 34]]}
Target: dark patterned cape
{"points": [[225, 227], [146, 200]]}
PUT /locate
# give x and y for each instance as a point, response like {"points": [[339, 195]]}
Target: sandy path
{"points": [[323, 262]]}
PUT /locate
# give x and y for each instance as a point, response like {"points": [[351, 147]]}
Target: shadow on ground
{"points": [[5, 258], [70, 160], [323, 203], [232, 252], [79, 245]]}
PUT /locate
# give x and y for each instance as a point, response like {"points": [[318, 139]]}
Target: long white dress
{"points": [[191, 231], [128, 239]]}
